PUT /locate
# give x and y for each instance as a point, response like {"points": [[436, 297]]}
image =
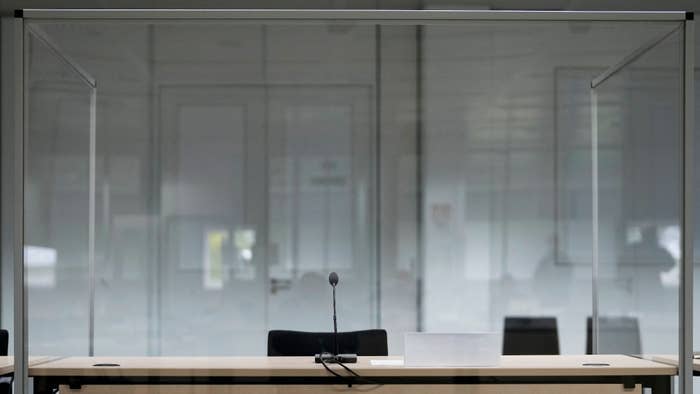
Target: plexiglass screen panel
{"points": [[507, 166], [442, 170], [236, 170], [639, 185], [57, 195]]}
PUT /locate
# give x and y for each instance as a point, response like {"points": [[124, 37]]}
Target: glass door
{"points": [[212, 236], [264, 191], [320, 201]]}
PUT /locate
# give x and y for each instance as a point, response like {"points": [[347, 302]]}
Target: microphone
{"points": [[333, 280], [335, 357]]}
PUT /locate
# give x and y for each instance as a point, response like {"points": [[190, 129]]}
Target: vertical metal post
{"points": [[685, 323], [155, 237], [376, 193], [594, 221], [20, 306], [420, 181], [91, 221]]}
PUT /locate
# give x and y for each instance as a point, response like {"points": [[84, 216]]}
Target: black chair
{"points": [[5, 383], [4, 340], [616, 335], [301, 343], [530, 335]]}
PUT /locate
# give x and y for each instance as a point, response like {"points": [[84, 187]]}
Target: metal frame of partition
{"points": [[685, 304], [22, 32], [20, 306], [387, 17], [403, 16]]}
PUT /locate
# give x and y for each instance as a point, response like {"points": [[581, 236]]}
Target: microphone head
{"points": [[333, 279]]}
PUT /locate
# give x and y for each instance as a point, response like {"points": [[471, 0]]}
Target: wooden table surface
{"points": [[619, 365], [7, 363], [673, 360]]}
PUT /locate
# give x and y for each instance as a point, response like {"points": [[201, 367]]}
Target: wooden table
{"points": [[673, 360], [7, 363], [234, 375]]}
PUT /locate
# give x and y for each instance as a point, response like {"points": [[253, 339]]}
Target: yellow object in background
{"points": [[214, 258]]}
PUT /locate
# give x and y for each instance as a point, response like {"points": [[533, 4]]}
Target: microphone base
{"points": [[329, 358]]}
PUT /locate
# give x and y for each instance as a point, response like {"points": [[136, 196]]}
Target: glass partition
{"points": [[58, 200], [444, 169], [639, 178], [507, 175]]}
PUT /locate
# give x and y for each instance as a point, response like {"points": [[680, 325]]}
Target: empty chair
{"points": [[5, 383], [616, 335], [530, 335], [300, 343], [4, 340]]}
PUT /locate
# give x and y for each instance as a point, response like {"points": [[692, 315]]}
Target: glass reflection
{"points": [[445, 175]]}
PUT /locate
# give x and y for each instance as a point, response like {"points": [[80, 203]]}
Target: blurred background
{"points": [[444, 171]]}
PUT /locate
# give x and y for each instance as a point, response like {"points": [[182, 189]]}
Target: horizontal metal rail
{"points": [[371, 15]]}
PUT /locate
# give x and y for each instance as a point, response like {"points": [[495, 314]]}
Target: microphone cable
{"points": [[332, 372], [349, 379], [358, 376], [348, 369]]}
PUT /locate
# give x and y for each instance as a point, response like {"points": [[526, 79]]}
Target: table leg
{"points": [[43, 386], [658, 384]]}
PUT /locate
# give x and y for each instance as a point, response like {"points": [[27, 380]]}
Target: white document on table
{"points": [[393, 363]]}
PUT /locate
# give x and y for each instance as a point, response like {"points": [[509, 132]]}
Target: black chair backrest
{"points": [[4, 339], [530, 335], [616, 335], [5, 382], [301, 343]]}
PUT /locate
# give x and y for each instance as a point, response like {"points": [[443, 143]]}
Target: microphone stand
{"points": [[335, 357], [335, 326]]}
